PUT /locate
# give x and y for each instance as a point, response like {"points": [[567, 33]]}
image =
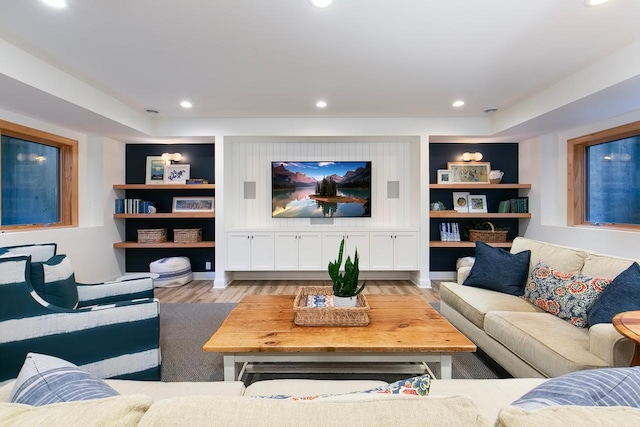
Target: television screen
{"points": [[320, 189]]}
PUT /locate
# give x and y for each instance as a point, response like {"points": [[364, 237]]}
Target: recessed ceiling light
{"points": [[321, 3], [594, 2], [56, 3], [458, 103], [186, 104], [321, 104]]}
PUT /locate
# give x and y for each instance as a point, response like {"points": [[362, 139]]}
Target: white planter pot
{"points": [[344, 301]]}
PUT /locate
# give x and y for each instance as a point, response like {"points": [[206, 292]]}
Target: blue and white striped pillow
{"points": [[44, 380], [39, 252], [55, 282]]}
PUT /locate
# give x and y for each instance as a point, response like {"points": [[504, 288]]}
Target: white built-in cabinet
{"points": [[290, 250], [298, 250], [250, 250], [394, 250]]}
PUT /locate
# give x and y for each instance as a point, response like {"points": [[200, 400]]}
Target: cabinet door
{"points": [[262, 245], [331, 245], [405, 255], [238, 251], [310, 251], [359, 240], [381, 250], [286, 250]]}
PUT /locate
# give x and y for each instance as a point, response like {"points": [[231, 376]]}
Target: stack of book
{"points": [[132, 206], [449, 232], [517, 205]]}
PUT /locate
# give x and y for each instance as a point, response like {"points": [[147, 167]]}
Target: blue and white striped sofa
{"points": [[112, 330]]}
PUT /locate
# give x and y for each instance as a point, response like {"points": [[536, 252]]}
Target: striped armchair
{"points": [[110, 329]]}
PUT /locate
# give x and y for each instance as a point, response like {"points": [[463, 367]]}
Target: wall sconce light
{"points": [[172, 157], [468, 157]]}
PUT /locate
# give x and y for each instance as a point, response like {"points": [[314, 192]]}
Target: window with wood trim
{"points": [[604, 178], [38, 177]]}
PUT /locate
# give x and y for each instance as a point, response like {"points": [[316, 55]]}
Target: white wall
{"points": [[543, 163], [89, 246]]}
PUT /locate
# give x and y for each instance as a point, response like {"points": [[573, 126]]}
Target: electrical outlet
{"points": [[207, 265]]}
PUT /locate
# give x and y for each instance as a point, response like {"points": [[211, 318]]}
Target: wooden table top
{"points": [[628, 324], [264, 323]]}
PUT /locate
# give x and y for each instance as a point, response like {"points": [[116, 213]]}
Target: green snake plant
{"points": [[345, 283]]}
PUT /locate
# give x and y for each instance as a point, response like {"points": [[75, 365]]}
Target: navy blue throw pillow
{"points": [[622, 294], [499, 270]]}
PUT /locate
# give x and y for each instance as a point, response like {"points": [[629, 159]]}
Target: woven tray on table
{"points": [[328, 316], [488, 236]]}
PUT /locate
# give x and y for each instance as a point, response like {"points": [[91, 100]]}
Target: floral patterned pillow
{"points": [[568, 296], [415, 386]]}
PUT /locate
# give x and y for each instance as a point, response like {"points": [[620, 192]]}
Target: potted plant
{"points": [[345, 283]]}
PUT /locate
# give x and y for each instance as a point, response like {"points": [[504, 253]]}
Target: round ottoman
{"points": [[172, 271]]}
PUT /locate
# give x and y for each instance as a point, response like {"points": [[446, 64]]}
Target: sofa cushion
{"points": [[44, 380], [475, 303], [115, 411], [565, 349], [391, 411], [568, 296], [301, 387], [622, 294], [55, 282], [594, 387], [510, 278], [605, 265], [38, 252], [564, 416], [560, 257]]}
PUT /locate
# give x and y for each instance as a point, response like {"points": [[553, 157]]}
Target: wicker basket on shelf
{"points": [[488, 236], [152, 235], [187, 235]]}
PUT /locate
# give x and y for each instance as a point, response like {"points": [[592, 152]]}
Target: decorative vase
{"points": [[344, 302]]}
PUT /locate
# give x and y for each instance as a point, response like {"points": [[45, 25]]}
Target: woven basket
{"points": [[488, 236], [187, 235], [152, 235], [328, 316]]}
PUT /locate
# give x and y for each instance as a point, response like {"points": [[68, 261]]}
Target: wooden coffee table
{"points": [[628, 324], [403, 329]]}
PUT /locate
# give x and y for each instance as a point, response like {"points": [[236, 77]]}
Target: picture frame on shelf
{"points": [[155, 170], [470, 173], [193, 204], [460, 201], [176, 174], [477, 203], [445, 176]]}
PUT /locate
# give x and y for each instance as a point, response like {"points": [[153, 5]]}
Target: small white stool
{"points": [[172, 272]]}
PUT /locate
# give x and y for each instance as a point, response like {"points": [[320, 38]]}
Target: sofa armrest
{"points": [[463, 273], [117, 290], [609, 345]]}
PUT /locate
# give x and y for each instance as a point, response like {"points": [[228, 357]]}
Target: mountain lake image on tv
{"points": [[321, 189]]}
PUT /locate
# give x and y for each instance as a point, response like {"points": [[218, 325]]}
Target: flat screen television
{"points": [[321, 189]]}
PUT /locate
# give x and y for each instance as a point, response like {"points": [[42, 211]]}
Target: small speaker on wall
{"points": [[393, 189], [249, 189]]}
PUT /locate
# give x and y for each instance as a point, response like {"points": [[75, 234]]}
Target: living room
{"points": [[563, 87]]}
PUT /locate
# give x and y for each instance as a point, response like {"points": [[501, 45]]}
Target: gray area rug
{"points": [[184, 328]]}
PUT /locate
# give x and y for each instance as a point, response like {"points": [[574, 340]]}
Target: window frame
{"points": [[68, 172], [576, 173]]}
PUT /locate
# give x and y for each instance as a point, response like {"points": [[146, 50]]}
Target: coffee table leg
{"points": [[229, 367], [445, 367]]}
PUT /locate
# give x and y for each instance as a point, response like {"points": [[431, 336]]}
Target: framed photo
{"points": [[155, 170], [193, 204], [445, 176], [460, 202], [477, 203], [470, 173], [176, 174]]}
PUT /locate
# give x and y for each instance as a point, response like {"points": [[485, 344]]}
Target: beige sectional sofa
{"points": [[526, 340]]}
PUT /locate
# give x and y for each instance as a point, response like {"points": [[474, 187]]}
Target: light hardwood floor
{"points": [[202, 290]]}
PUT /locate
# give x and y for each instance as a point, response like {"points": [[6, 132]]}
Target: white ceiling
{"points": [[275, 59]]}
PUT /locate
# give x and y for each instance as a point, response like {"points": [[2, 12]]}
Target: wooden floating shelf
{"points": [[470, 185], [439, 244], [176, 215], [136, 245], [164, 187], [496, 215]]}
